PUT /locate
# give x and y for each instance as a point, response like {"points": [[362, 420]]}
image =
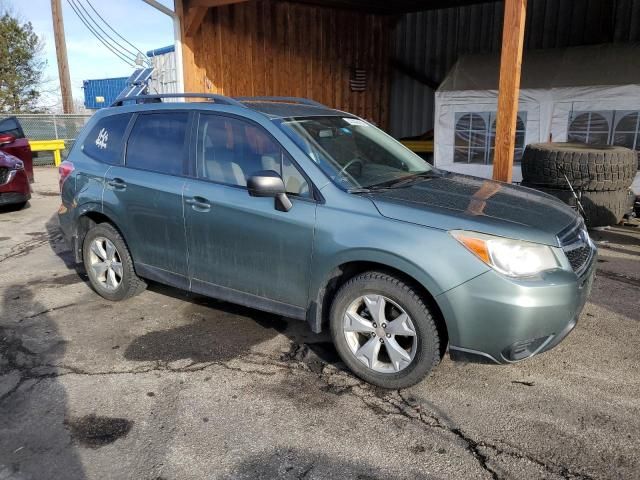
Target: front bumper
{"points": [[16, 189], [494, 319], [11, 198]]}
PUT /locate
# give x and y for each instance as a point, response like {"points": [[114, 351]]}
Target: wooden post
{"points": [[510, 65], [61, 52]]}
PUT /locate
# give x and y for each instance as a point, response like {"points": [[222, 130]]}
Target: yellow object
{"points": [[55, 146], [419, 146]]}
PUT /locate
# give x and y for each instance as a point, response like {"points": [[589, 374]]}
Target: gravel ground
{"points": [[172, 386]]}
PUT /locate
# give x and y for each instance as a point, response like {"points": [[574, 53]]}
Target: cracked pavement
{"points": [[172, 386]]}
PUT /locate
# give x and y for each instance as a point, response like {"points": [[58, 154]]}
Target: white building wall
{"points": [[164, 77]]}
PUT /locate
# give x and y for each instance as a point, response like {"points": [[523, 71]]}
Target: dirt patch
{"points": [[619, 277], [313, 355], [21, 249], [95, 432]]}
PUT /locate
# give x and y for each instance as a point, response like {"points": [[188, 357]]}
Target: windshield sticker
{"points": [[103, 138], [356, 122]]}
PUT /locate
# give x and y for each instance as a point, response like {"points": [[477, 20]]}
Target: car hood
{"points": [[460, 202], [7, 161]]}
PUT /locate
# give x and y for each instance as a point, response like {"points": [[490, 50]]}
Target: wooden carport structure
{"points": [[334, 51]]}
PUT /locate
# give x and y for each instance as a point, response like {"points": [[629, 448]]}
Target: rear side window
{"points": [[157, 142], [104, 142], [12, 127]]}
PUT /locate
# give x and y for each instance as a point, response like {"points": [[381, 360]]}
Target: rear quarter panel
{"points": [[82, 192]]}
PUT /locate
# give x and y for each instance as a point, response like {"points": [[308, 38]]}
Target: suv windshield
{"points": [[353, 153]]}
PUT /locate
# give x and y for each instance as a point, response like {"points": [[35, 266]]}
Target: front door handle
{"points": [[199, 204], [117, 184]]}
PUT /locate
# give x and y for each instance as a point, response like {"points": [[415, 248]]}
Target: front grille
{"points": [[576, 245], [4, 175], [578, 257]]}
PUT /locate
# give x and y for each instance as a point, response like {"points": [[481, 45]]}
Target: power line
{"points": [[95, 33], [96, 24], [122, 53], [113, 29]]}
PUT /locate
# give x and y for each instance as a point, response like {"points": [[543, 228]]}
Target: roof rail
{"points": [[302, 101], [156, 98]]}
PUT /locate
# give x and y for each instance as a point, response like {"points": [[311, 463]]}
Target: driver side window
{"points": [[230, 150]]}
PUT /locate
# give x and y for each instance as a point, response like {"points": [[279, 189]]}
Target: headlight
{"points": [[515, 258]]}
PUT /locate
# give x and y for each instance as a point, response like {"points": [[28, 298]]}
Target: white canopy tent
{"points": [[587, 94]]}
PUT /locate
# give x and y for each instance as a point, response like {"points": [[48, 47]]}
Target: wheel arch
{"points": [[318, 313], [87, 220]]}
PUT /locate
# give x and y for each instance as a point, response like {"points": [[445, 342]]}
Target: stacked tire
{"points": [[600, 175]]}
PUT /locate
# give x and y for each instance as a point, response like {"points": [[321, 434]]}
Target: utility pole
{"points": [[61, 52]]}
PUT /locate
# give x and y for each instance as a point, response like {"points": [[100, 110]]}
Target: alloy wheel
{"points": [[105, 263], [380, 333]]}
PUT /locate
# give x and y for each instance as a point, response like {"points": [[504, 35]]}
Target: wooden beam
{"points": [[509, 88], [193, 20]]}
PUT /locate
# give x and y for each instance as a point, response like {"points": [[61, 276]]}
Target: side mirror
{"points": [[6, 138], [269, 184]]}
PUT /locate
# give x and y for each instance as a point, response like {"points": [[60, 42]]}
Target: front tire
{"points": [[383, 331], [108, 264]]}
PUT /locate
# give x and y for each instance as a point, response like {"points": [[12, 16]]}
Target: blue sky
{"points": [[142, 25]]}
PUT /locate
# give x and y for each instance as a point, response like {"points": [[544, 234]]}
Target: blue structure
{"points": [[161, 51], [102, 92]]}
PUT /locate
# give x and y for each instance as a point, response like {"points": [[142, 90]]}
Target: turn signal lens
{"points": [[65, 169], [477, 246], [515, 258]]}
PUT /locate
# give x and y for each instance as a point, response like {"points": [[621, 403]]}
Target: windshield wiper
{"points": [[373, 188], [406, 180]]}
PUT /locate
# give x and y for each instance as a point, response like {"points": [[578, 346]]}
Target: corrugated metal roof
{"points": [[430, 42], [385, 6]]}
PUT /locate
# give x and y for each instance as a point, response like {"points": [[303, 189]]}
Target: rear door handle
{"points": [[199, 204], [117, 184]]}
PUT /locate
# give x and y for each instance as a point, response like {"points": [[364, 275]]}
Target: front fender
{"points": [[430, 256]]}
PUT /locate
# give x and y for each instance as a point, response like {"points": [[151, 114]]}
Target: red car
{"points": [[16, 164], [14, 182]]}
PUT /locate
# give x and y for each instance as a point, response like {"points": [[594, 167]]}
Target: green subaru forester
{"points": [[287, 206]]}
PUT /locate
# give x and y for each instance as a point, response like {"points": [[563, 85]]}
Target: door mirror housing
{"points": [[268, 183], [6, 138]]}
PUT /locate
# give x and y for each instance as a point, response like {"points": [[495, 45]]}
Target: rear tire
{"points": [[108, 264], [390, 367]]}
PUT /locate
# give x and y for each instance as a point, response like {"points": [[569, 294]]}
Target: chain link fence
{"points": [[52, 127]]}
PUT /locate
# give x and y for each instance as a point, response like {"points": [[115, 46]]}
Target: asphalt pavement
{"points": [[172, 386]]}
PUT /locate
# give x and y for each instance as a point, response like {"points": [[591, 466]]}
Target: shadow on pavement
{"points": [[220, 331], [34, 442], [217, 331]]}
